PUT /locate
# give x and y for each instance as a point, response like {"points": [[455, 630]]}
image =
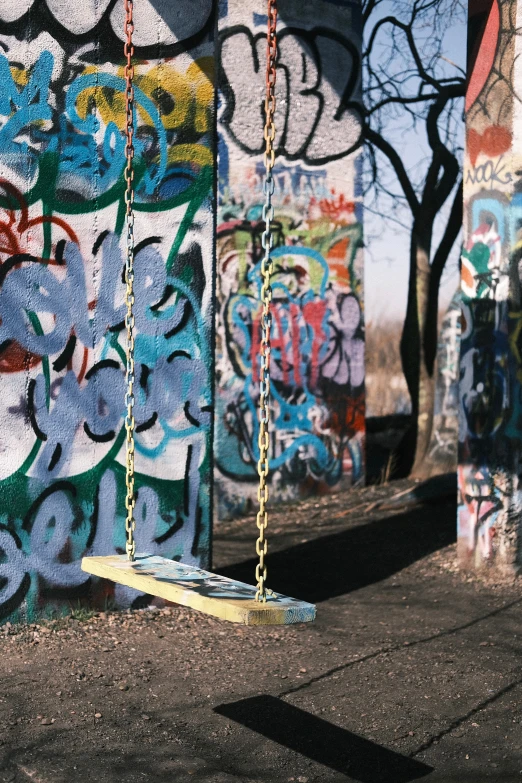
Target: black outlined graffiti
{"points": [[171, 27], [61, 223], [318, 92]]}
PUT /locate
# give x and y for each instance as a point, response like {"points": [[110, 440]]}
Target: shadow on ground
{"points": [[323, 742], [356, 557]]}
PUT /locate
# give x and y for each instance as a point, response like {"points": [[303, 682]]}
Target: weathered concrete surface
{"points": [[317, 365], [490, 423]]}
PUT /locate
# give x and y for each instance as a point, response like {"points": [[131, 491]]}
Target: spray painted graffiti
{"points": [[444, 438], [317, 83], [61, 297], [482, 505], [490, 417], [157, 22], [318, 333]]}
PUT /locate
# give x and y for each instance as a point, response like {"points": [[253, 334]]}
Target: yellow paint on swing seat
{"points": [[191, 586]]}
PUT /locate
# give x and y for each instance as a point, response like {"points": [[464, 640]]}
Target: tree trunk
{"points": [[426, 389], [421, 383]]}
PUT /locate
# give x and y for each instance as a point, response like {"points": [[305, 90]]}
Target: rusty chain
{"points": [[130, 499], [266, 299], [266, 292]]}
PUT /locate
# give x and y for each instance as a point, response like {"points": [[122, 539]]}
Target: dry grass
{"points": [[386, 390]]}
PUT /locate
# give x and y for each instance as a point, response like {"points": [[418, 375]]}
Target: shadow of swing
{"points": [[350, 559], [323, 742]]}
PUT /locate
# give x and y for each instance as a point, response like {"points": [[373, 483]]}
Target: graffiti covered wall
{"points": [[318, 341], [490, 408], [61, 291], [442, 453]]}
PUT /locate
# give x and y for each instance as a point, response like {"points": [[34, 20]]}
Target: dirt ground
{"points": [[411, 670]]}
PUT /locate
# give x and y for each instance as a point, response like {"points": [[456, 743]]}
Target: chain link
{"points": [[130, 499], [266, 299], [266, 293]]}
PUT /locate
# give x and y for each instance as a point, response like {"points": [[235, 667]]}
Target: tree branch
{"points": [[408, 32], [437, 190], [368, 7], [396, 161], [400, 100], [449, 237]]}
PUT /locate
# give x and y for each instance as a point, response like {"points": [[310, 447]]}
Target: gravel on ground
{"points": [[412, 670]]}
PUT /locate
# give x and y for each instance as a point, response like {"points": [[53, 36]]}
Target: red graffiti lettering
{"points": [[493, 142]]}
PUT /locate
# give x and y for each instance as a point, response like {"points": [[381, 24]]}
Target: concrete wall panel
{"points": [[62, 242], [318, 339]]}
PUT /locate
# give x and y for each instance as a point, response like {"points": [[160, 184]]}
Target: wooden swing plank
{"points": [[191, 586]]}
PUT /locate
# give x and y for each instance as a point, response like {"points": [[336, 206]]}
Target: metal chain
{"points": [[266, 298], [130, 499]]}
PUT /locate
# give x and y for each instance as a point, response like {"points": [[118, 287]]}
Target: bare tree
{"points": [[411, 89]]}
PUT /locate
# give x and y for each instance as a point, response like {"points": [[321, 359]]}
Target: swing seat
{"points": [[191, 586]]}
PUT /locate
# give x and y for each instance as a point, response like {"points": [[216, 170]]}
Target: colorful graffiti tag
{"points": [[318, 335], [490, 431], [61, 294], [444, 437]]}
